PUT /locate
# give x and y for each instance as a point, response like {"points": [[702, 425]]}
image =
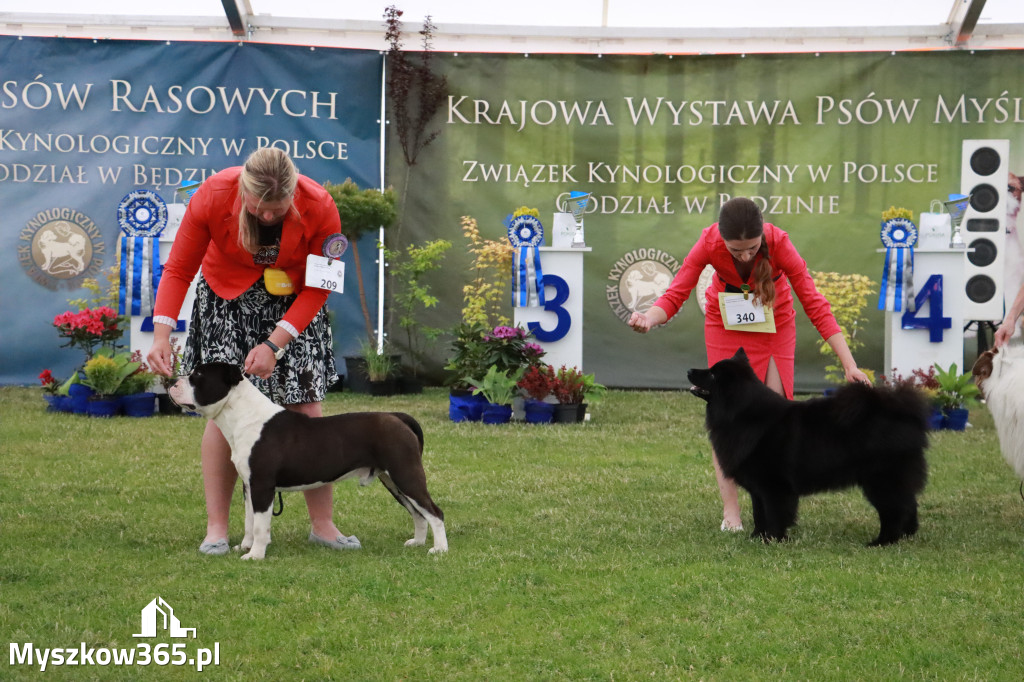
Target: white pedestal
{"points": [[564, 304], [910, 349]]}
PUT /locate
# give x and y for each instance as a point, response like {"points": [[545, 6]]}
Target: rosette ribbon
{"points": [[142, 216], [526, 233], [898, 236]]}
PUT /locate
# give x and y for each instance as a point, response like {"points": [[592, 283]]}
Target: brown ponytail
{"points": [[741, 219]]}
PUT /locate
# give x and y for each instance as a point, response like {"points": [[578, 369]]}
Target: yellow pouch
{"points": [[277, 282], [767, 326]]}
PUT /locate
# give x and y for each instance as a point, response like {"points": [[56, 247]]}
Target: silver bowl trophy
{"points": [[577, 206], [957, 206]]}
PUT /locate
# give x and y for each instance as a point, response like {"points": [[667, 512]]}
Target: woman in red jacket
{"points": [[747, 253], [251, 228]]}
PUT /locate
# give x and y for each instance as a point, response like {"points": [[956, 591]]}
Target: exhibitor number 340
{"points": [[745, 318]]}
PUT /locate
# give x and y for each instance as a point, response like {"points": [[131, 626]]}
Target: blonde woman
{"points": [[251, 228]]}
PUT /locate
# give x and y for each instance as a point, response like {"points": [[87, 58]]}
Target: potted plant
{"points": [[89, 327], [927, 383], [476, 349], [137, 398], [361, 211], [104, 373], [573, 389], [56, 400], [538, 383], [848, 296], [466, 360], [380, 368], [412, 295], [498, 389], [956, 392]]}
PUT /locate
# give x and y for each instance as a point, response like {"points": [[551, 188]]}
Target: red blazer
{"points": [[208, 236], [788, 269]]}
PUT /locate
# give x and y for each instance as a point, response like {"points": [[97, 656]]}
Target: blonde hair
{"points": [[741, 219], [267, 175]]}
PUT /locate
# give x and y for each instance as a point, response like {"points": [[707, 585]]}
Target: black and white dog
{"points": [[277, 449]]}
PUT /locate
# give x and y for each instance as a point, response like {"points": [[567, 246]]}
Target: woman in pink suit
{"points": [[749, 254]]}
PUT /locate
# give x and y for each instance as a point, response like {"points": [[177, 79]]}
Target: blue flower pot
{"points": [[494, 413], [103, 406], [956, 419], [57, 403], [80, 394], [936, 419], [463, 406], [539, 412], [138, 404]]}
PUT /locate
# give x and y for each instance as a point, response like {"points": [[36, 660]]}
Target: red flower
{"points": [[89, 327]]}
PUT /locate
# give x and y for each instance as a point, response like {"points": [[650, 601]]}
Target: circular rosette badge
{"points": [[335, 245], [525, 230], [142, 213], [898, 233]]}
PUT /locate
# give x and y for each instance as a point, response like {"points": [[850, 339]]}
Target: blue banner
{"points": [[85, 122]]}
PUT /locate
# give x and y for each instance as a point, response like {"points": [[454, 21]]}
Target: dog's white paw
{"points": [[252, 555], [413, 542], [437, 550]]}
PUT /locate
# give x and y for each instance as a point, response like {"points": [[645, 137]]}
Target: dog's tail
{"points": [[411, 422]]}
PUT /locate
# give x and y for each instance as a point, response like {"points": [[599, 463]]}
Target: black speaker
{"points": [[984, 169]]}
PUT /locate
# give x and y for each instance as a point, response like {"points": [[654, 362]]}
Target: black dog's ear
{"points": [[741, 355]]}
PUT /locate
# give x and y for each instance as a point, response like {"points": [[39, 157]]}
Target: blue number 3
{"points": [[553, 304]]}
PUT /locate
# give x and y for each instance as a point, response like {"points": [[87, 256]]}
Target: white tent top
{"points": [[580, 26]]}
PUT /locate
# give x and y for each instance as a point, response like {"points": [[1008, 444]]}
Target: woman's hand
{"points": [[159, 357], [260, 362], [1004, 332], [854, 374], [640, 323]]}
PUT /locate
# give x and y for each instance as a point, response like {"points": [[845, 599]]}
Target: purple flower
{"points": [[533, 349], [504, 332]]}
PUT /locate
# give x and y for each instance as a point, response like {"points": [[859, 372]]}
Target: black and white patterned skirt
{"points": [[225, 331]]}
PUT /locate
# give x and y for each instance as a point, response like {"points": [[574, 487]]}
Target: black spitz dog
{"points": [[779, 449]]}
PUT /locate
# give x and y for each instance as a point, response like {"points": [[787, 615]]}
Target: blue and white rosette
{"points": [[526, 233], [142, 216], [898, 236]]}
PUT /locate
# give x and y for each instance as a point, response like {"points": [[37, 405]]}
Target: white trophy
{"points": [[957, 207], [577, 206]]}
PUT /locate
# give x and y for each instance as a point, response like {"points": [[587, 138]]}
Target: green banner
{"points": [[824, 143]]}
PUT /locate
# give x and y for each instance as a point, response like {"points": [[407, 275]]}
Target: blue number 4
{"points": [[935, 322]]}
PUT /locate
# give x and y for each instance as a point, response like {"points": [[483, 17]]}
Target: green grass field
{"points": [[578, 552]]}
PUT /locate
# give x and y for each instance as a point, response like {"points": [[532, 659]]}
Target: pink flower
{"points": [[504, 332]]}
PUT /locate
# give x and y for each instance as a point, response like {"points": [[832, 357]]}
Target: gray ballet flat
{"points": [[342, 542], [214, 548]]}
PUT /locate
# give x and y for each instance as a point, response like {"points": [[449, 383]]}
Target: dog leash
{"points": [[280, 500]]}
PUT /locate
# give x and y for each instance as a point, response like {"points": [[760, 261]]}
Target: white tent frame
{"points": [[960, 31]]}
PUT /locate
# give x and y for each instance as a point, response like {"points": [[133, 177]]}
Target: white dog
{"points": [[999, 373]]}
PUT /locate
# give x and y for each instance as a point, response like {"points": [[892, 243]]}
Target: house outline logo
{"points": [[158, 613]]}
